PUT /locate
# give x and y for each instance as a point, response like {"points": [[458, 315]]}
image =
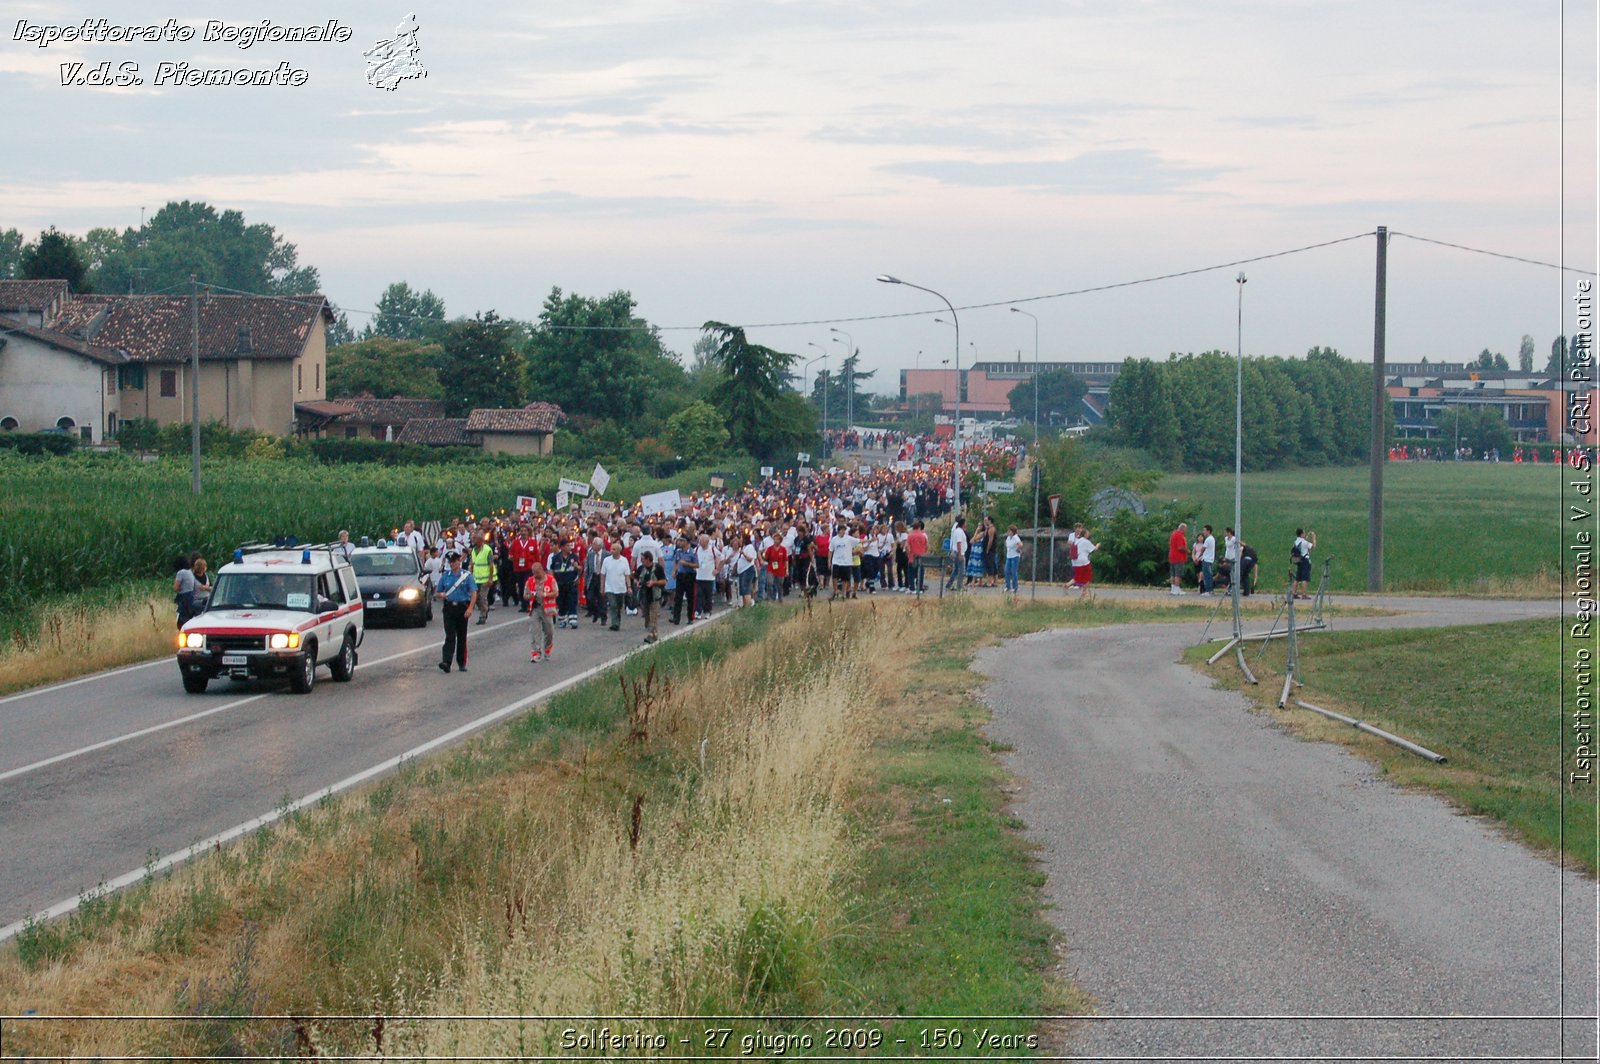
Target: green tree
{"points": [[53, 257], [479, 365], [384, 368], [1059, 389], [596, 358], [843, 390], [340, 332], [1525, 354], [1557, 366], [217, 247], [697, 432], [1479, 428], [1140, 411], [749, 397], [10, 252], [403, 313], [1490, 360]]}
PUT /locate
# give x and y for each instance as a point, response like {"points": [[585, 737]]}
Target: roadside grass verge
{"points": [[1487, 697], [62, 637]]}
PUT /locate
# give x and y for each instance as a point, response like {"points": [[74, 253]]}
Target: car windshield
{"points": [[388, 563], [283, 591]]}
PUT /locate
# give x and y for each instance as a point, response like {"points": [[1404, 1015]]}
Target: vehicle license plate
{"points": [[235, 659], [376, 604]]}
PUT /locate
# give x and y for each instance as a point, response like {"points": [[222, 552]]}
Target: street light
{"points": [[1238, 465], [826, 389], [955, 323], [850, 370], [1034, 455]]}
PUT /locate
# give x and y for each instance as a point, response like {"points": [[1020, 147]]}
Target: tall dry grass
{"points": [[691, 861], [82, 637]]}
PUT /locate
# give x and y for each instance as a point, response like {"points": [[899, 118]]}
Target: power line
{"points": [[1492, 254]]}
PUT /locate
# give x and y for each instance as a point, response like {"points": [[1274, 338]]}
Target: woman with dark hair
{"points": [[183, 589]]}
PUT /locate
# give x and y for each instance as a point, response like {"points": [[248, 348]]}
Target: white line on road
{"points": [[127, 879], [191, 718]]}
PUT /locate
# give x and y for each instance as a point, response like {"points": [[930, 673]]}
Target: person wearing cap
{"points": [[459, 593]]}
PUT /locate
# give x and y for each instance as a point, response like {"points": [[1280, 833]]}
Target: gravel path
{"points": [[1207, 870]]}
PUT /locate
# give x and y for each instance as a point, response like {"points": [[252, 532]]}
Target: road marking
{"points": [[127, 879], [191, 718]]}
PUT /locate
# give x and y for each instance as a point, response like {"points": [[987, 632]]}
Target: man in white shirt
{"points": [[412, 538], [705, 576], [1206, 549], [614, 574], [841, 555], [1013, 560], [958, 556]]}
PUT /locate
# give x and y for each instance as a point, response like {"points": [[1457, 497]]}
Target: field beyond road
{"points": [[1474, 528]]}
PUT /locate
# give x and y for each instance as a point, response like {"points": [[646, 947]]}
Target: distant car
{"points": [[393, 586], [275, 614]]}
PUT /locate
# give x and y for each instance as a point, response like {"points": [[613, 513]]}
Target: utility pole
{"points": [[194, 385], [1380, 402]]}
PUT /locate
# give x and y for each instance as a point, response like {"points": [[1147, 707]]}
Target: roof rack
{"points": [[287, 545]]}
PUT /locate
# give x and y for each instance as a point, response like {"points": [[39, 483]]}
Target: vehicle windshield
{"points": [[388, 563], [280, 591]]}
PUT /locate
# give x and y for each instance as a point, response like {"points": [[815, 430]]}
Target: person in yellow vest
{"points": [[540, 594], [484, 571]]}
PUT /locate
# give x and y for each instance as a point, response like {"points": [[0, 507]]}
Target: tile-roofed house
{"points": [[382, 419], [529, 430], [437, 432], [50, 381], [32, 302], [260, 357]]}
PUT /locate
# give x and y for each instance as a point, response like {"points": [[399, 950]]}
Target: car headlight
{"points": [[408, 594], [191, 640], [284, 640]]}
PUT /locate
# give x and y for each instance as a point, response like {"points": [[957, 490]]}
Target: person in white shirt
{"points": [[412, 538], [841, 555], [958, 556], [1206, 555], [614, 581], [1013, 560], [705, 576], [1082, 572], [1300, 554], [744, 569]]}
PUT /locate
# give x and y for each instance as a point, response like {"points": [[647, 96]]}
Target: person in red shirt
{"points": [[1178, 556], [522, 559], [822, 541], [777, 562], [916, 547]]}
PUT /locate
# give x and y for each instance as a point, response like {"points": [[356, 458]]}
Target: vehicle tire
{"points": [[304, 678], [422, 618], [195, 682], [344, 666]]}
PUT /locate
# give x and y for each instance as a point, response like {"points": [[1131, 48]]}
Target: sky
{"points": [[761, 162]]}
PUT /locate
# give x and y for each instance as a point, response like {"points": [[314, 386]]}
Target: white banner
{"points": [[572, 487], [661, 502], [999, 487], [804, 457], [599, 478], [526, 503], [766, 471], [904, 467], [864, 467], [561, 500], [599, 506]]}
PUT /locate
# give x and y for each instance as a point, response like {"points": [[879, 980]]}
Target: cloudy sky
{"points": [[761, 161]]}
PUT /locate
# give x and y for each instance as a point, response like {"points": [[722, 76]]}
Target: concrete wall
{"points": [[520, 443], [40, 384]]}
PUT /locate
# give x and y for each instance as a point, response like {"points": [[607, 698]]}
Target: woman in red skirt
{"points": [[1082, 572]]}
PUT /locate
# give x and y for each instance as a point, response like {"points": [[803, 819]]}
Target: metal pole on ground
{"points": [[1033, 591], [194, 385], [1380, 405], [1292, 654]]}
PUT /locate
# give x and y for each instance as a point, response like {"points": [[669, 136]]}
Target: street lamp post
{"points": [[1238, 465], [956, 324], [850, 371], [1034, 454], [825, 390]]}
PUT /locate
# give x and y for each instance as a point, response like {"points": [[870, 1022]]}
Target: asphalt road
{"points": [[1207, 871], [97, 775]]}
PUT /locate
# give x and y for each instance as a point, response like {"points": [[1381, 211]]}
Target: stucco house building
{"points": [[86, 363]]}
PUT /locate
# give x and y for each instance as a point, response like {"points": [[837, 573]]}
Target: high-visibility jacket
{"points": [[483, 567], [543, 591]]}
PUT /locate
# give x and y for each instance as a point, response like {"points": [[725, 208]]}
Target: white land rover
{"points": [[276, 613]]}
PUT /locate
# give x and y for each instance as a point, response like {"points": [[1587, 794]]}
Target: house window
{"points": [[169, 384], [9, 424], [319, 377], [351, 432], [111, 384], [131, 378], [111, 425], [299, 377], [66, 424]]}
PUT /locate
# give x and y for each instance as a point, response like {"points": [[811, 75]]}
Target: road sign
{"points": [[1055, 504], [1001, 487]]}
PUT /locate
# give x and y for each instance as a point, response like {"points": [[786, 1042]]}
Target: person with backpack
{"points": [[1300, 555]]}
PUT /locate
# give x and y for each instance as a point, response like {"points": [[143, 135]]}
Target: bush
{"points": [[38, 442], [1133, 549], [138, 434]]}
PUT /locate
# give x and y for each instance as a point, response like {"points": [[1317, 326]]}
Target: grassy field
{"points": [[1467, 527], [1487, 697]]}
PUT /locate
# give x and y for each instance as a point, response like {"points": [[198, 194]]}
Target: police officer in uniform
{"points": [[459, 592]]}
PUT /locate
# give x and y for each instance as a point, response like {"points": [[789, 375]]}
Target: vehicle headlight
{"points": [[191, 640], [284, 640], [408, 594]]}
